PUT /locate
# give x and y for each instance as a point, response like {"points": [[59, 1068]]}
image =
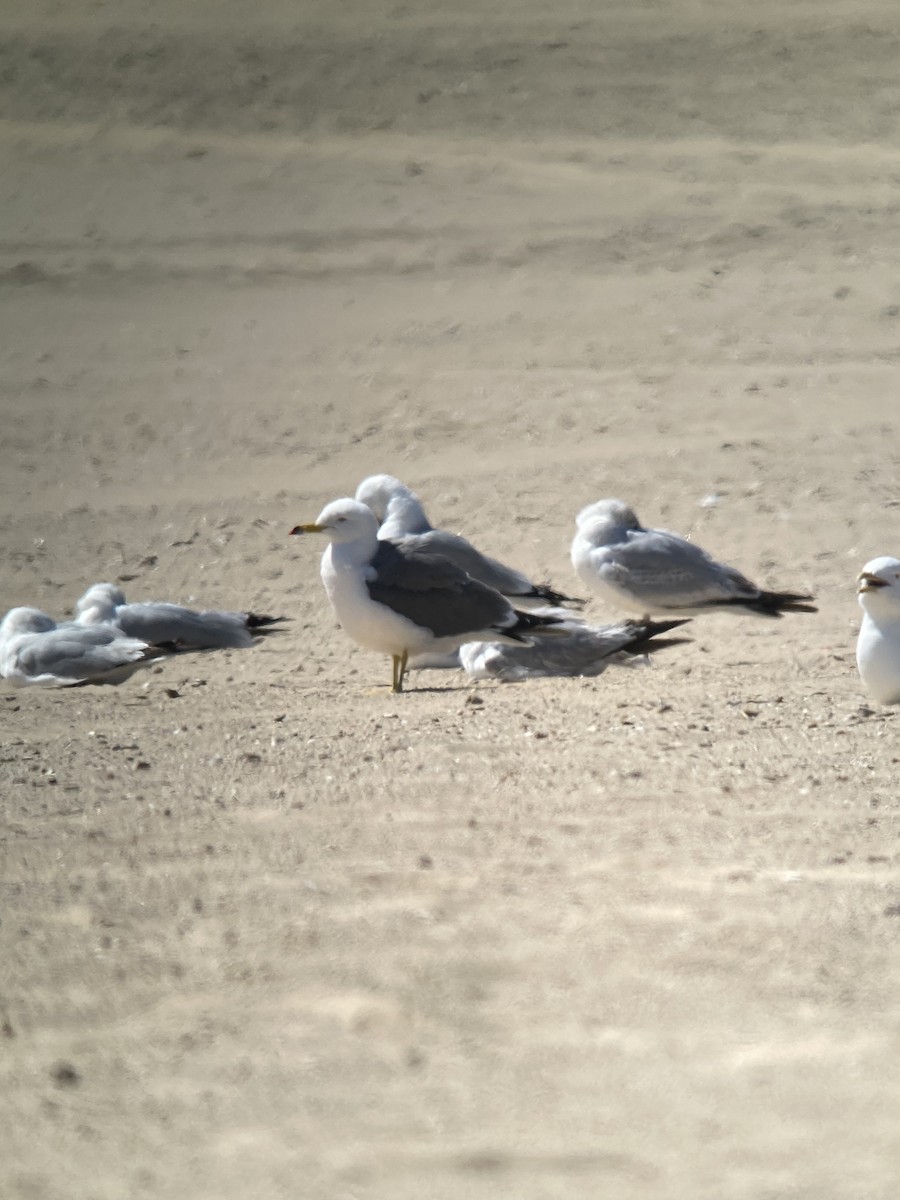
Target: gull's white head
{"points": [[879, 587], [25, 620], [343, 521], [606, 520], [99, 603], [394, 504]]}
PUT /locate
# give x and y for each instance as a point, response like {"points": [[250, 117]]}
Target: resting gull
{"points": [[578, 650], [401, 517], [159, 621], [650, 571], [403, 599], [35, 650], [878, 644]]}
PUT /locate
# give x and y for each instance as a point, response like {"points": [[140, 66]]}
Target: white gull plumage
{"points": [[878, 643], [160, 621], [35, 650], [401, 517], [652, 571], [577, 650], [404, 600]]}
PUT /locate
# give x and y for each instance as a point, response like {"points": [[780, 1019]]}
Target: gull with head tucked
{"points": [[878, 644], [35, 650], [159, 621], [401, 517], [404, 600], [653, 572], [579, 650]]}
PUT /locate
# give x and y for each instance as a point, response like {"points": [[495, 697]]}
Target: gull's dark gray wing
{"points": [[465, 556], [486, 570], [434, 593]]}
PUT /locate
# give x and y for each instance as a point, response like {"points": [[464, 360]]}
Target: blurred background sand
{"points": [[281, 933]]}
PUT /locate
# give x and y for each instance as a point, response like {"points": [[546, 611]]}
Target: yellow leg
{"points": [[399, 661]]}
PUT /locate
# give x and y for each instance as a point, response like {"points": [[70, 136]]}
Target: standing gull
{"points": [[650, 571], [579, 650], [35, 650], [401, 517], [159, 621], [404, 600], [878, 644]]}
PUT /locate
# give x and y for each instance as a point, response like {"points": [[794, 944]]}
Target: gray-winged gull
{"points": [[878, 644], [401, 517], [160, 621], [35, 650], [404, 600], [577, 650], [651, 571]]}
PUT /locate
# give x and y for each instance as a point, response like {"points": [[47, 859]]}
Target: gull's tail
{"points": [[159, 650], [261, 624], [529, 624], [773, 604], [545, 593], [646, 636]]}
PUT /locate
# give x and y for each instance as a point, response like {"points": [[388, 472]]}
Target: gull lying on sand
{"points": [[584, 650], [401, 517], [35, 650], [159, 621], [402, 599], [650, 571], [878, 644]]}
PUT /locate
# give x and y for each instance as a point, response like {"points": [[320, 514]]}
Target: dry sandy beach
{"points": [[268, 930]]}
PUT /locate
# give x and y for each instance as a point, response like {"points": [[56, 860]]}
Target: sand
{"points": [[271, 931]]}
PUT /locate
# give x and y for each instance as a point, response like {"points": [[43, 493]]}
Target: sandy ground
{"points": [[268, 930]]}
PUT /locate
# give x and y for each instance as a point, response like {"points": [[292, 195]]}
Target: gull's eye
{"points": [[340, 519]]}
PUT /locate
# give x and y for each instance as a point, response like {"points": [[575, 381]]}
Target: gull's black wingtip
{"points": [[647, 636], [531, 623], [261, 623], [543, 591], [775, 604], [160, 650]]}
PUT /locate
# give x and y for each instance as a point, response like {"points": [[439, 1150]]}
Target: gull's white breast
{"points": [[370, 624], [878, 659], [596, 567]]}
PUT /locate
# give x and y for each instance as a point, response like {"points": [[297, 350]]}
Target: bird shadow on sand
{"points": [[384, 689]]}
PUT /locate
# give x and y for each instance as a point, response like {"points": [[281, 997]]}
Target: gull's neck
{"points": [[350, 556], [881, 610]]}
